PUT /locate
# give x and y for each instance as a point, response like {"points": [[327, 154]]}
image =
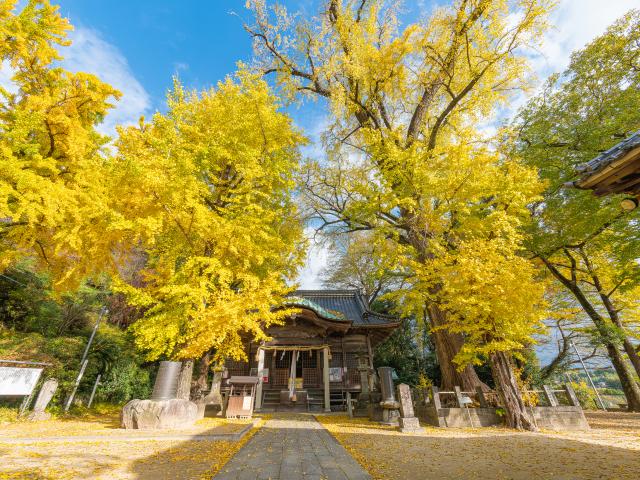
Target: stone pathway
{"points": [[292, 447]]}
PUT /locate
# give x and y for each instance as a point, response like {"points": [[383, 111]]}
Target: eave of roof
{"points": [[613, 171]]}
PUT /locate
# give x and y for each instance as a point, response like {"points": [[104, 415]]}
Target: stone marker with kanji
{"points": [[408, 421]]}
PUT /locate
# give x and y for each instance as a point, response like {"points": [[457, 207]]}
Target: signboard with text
{"points": [[17, 381]]}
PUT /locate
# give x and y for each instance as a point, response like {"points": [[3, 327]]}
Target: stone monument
{"points": [[408, 421], [364, 398], [212, 403], [164, 410], [389, 404], [44, 397]]}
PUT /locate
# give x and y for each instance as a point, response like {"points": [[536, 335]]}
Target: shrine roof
{"points": [[349, 305]]}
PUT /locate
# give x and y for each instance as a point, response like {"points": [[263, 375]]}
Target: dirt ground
{"points": [[610, 450], [113, 457], [108, 425]]}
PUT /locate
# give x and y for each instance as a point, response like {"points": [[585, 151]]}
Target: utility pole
{"points": [[84, 361], [584, 367]]}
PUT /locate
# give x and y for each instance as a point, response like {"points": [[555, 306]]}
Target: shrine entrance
{"points": [[308, 367], [316, 357]]}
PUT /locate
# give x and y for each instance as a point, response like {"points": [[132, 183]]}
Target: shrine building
{"points": [[318, 356]]}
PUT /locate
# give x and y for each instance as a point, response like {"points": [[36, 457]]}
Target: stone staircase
{"points": [[270, 400], [337, 399]]}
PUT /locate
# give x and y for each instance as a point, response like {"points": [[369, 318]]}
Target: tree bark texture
{"points": [[447, 347], [201, 382], [184, 381], [507, 387]]}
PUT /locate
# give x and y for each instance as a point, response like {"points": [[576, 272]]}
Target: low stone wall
{"points": [[560, 418], [459, 417], [552, 417]]}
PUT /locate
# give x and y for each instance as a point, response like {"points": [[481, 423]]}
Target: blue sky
{"points": [[199, 40], [138, 45]]}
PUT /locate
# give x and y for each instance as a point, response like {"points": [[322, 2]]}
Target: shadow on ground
{"points": [[492, 454], [437, 454], [116, 459]]}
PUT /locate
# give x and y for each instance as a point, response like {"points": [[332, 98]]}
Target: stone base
{"points": [[164, 414], [38, 416], [390, 417], [410, 425]]}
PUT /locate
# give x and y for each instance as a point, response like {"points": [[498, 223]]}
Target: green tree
{"points": [[587, 244]]}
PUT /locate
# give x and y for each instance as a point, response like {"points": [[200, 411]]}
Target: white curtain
{"points": [[293, 375]]}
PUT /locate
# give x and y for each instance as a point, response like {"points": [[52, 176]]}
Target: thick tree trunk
{"points": [[507, 387], [184, 381], [629, 385], [447, 346], [615, 318], [202, 380], [633, 355]]}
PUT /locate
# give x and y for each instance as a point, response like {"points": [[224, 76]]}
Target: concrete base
{"points": [[410, 425], [38, 416]]}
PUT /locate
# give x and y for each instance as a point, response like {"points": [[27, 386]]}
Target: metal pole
{"points": [[93, 334], [84, 361], [93, 392], [584, 367], [75, 387]]}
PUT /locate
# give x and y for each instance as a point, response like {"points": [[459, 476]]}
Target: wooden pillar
{"points": [[325, 377], [258, 403], [573, 398], [369, 351]]}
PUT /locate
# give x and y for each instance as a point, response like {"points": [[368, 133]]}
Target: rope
{"points": [[294, 348]]}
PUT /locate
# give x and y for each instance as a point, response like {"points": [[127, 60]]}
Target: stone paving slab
{"points": [[292, 447]]}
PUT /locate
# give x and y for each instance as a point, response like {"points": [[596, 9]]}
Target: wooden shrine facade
{"points": [[332, 338]]}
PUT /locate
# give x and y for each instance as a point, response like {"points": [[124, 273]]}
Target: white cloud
{"points": [[317, 259], [576, 23], [90, 53], [6, 72]]}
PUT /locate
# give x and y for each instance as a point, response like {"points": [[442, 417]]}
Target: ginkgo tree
{"points": [[201, 196], [206, 191], [52, 199], [409, 161]]}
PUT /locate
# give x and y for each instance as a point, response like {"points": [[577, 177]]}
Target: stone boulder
{"points": [[151, 414]]}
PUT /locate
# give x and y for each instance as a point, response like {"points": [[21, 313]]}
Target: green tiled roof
{"points": [[295, 301], [345, 305]]}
